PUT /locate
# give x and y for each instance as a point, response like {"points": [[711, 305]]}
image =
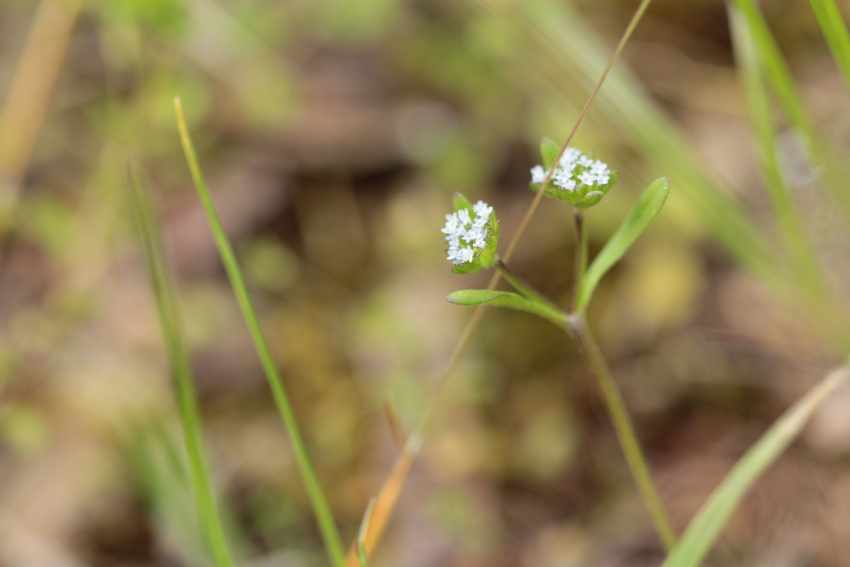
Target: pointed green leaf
{"points": [[509, 299], [713, 515], [642, 213], [461, 202], [549, 151]]}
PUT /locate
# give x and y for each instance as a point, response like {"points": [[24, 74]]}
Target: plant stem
{"points": [[580, 260], [543, 307], [625, 430]]}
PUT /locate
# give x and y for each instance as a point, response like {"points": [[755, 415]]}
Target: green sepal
{"points": [[508, 299], [487, 258], [549, 151], [467, 267]]}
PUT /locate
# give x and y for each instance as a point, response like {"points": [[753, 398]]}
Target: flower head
{"points": [[577, 179], [472, 241]]}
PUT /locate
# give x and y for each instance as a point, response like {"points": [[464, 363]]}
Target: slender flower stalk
{"points": [[580, 257], [625, 430]]}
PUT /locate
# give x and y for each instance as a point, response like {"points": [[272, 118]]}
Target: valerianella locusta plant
{"points": [[472, 232], [578, 179]]}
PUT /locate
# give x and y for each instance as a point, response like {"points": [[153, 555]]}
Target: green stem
{"points": [[541, 306], [580, 257], [625, 430], [324, 517]]}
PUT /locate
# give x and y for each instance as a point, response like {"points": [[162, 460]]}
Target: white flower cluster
{"points": [[460, 227], [574, 169]]}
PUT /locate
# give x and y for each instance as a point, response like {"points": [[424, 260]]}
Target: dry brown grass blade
{"points": [[385, 504], [388, 495], [30, 92]]}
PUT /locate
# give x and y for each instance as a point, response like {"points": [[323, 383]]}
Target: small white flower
{"points": [[538, 174], [452, 226], [568, 160], [585, 161], [587, 178], [460, 227], [564, 180], [465, 255], [482, 210]]}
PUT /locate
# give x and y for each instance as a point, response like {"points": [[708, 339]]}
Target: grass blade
{"points": [[361, 535], [384, 505], [796, 242], [647, 207], [823, 158], [324, 517], [835, 32], [187, 402], [713, 515]]}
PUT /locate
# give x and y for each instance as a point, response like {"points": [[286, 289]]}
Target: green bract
{"points": [[577, 179]]}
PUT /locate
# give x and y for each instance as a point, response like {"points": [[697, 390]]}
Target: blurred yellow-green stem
{"points": [[187, 402]]}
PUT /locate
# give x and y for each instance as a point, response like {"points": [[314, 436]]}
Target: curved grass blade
{"points": [[324, 517], [187, 399], [641, 215], [835, 32], [713, 515]]}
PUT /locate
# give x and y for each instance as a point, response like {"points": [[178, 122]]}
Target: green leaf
{"points": [[509, 299], [835, 32], [641, 215], [707, 524], [460, 202], [324, 517], [549, 151]]}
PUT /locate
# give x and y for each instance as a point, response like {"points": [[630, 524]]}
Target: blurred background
{"points": [[333, 134]]}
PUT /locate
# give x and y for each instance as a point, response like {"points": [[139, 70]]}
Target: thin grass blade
{"points": [[821, 154], [835, 32], [327, 525], [706, 526], [187, 402], [796, 242]]}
